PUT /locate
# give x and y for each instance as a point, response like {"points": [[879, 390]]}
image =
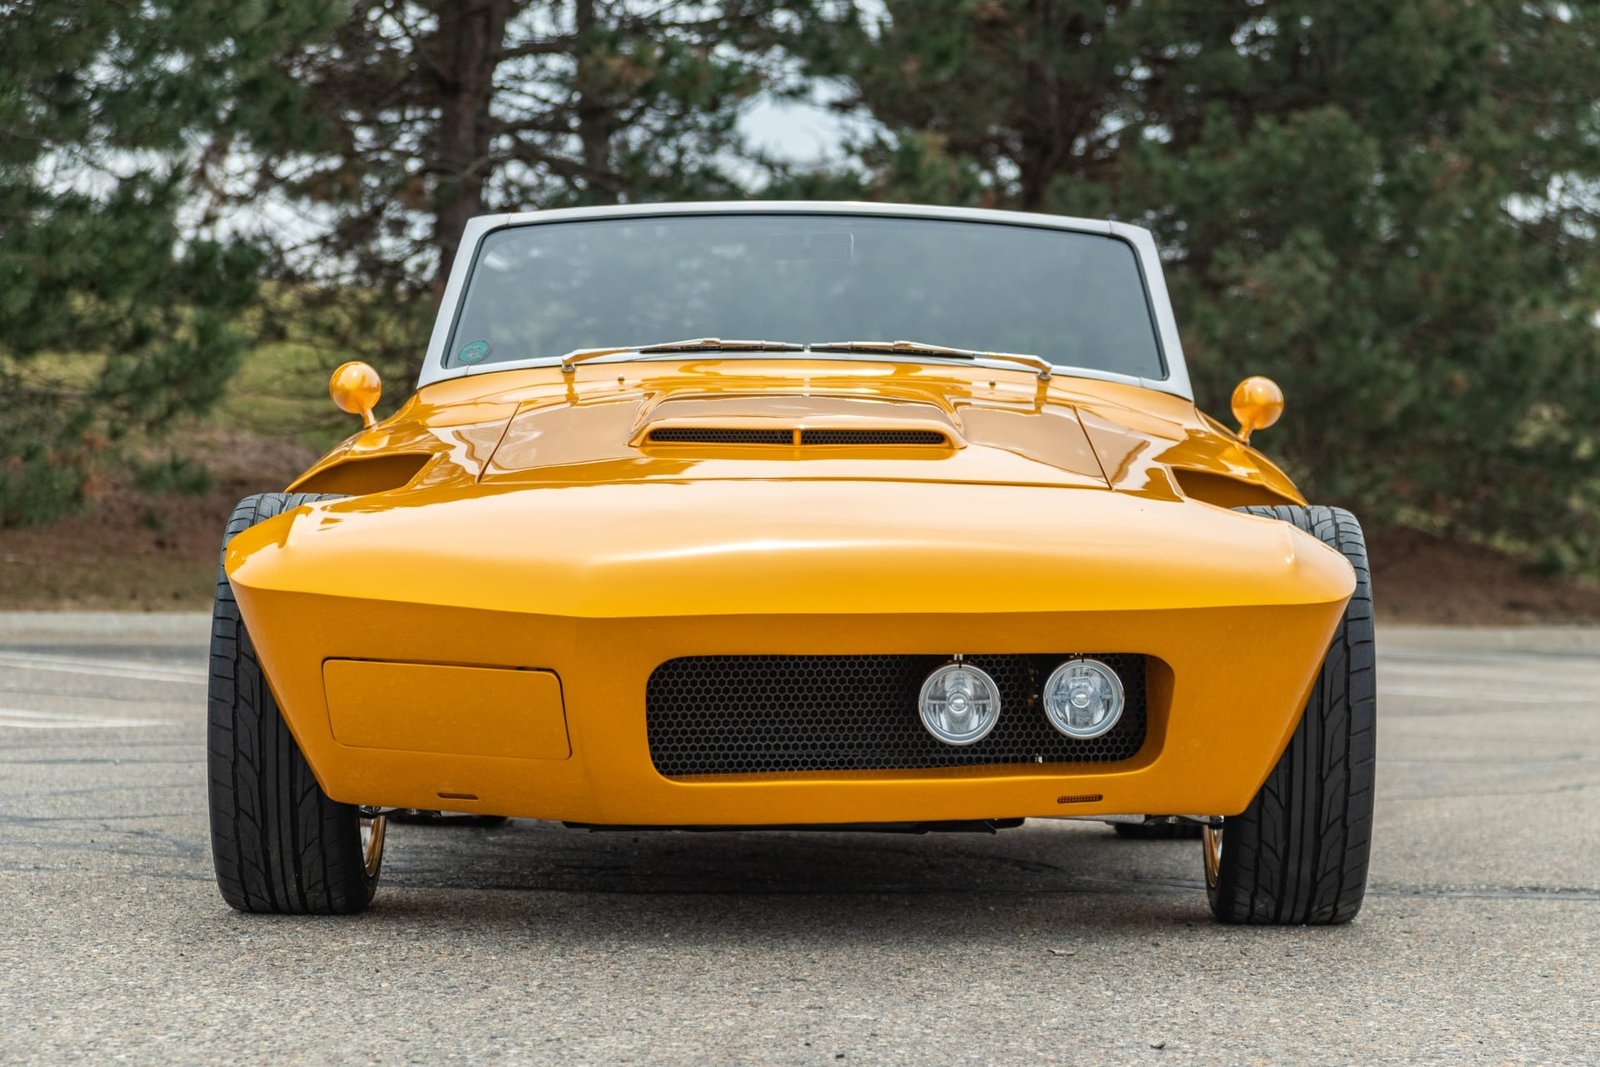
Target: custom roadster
{"points": [[801, 515]]}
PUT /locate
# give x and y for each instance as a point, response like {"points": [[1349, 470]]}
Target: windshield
{"points": [[544, 290]]}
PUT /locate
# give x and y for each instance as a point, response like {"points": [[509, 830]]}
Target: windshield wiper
{"points": [[696, 344], [717, 344], [1038, 363]]}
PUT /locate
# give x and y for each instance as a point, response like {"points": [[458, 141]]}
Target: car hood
{"points": [[787, 434], [721, 420]]}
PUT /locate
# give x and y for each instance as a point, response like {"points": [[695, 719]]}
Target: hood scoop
{"points": [[790, 435], [796, 437], [791, 421]]}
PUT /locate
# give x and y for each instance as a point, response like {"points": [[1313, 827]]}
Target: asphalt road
{"points": [[1058, 942]]}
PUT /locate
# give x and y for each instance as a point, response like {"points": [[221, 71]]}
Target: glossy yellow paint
{"points": [[546, 537], [456, 711], [1078, 428]]}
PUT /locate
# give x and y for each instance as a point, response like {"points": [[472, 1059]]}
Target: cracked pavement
{"points": [[1057, 942]]}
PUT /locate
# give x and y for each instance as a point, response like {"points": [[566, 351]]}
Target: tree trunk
{"points": [[595, 115], [462, 55]]}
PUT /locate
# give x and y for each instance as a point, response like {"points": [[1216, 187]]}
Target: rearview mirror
{"points": [[1257, 404]]}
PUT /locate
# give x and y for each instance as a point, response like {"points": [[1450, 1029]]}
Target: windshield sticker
{"points": [[473, 352]]}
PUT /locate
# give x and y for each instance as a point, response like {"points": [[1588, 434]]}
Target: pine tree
{"points": [[110, 317], [1389, 205], [417, 115]]}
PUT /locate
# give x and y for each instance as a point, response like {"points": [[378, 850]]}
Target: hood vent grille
{"points": [[873, 437], [701, 435], [682, 435]]}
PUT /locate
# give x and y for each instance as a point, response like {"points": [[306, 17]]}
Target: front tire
{"points": [[1299, 853], [278, 842]]}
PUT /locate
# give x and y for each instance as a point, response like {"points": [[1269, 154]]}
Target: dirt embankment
{"points": [[1419, 578], [137, 551]]}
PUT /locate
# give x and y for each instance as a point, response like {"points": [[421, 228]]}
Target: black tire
{"points": [[1157, 831], [1298, 854], [278, 842]]}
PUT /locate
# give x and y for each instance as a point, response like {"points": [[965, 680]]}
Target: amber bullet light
{"points": [[1257, 404], [356, 387]]}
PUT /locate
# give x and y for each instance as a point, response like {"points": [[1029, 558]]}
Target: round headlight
{"points": [[1083, 698], [960, 704]]}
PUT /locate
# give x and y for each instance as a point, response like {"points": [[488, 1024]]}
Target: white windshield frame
{"points": [[1176, 381]]}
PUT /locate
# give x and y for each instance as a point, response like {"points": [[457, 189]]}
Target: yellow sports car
{"points": [[804, 515]]}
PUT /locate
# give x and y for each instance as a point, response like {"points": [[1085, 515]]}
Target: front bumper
{"points": [[1237, 646], [1218, 716]]}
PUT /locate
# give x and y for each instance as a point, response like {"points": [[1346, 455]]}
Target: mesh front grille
{"points": [[679, 435], [775, 714], [872, 437]]}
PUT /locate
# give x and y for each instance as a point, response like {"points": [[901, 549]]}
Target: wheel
{"points": [[1156, 831], [278, 842], [1298, 854]]}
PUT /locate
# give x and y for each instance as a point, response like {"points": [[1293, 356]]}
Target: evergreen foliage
{"points": [[111, 316], [1389, 205], [416, 115]]}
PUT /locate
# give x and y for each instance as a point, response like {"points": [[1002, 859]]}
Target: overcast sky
{"points": [[797, 131]]}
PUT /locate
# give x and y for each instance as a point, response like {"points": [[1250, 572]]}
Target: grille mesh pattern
{"points": [[774, 714], [872, 437], [710, 436]]}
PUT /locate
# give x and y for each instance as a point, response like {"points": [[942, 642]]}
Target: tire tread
{"points": [[1299, 853], [278, 842]]}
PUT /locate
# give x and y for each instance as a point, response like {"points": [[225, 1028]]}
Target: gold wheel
{"points": [[372, 827], [1211, 840]]}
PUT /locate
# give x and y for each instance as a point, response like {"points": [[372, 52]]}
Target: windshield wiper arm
{"points": [[696, 344], [1038, 363]]}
